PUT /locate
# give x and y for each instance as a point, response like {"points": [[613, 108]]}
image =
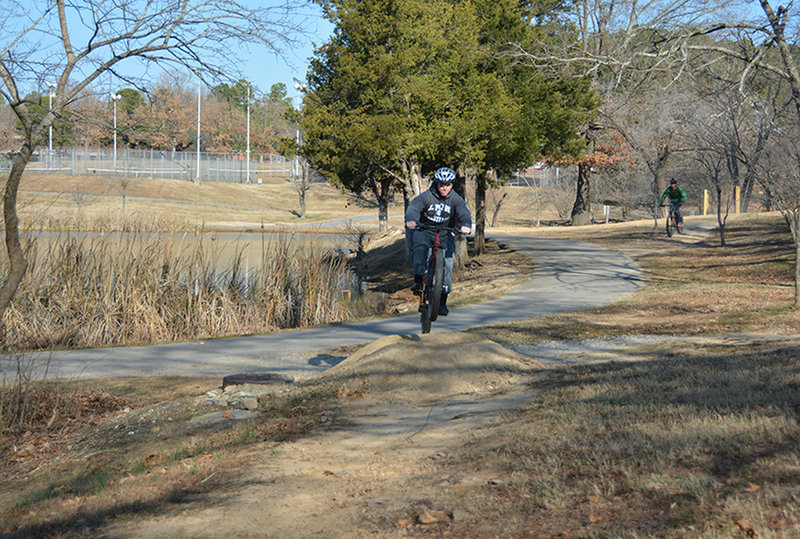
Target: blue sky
{"points": [[264, 70], [259, 66]]}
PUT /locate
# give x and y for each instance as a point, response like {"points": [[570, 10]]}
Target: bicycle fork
{"points": [[424, 297]]}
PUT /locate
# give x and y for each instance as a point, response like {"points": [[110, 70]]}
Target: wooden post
{"points": [[736, 197]]}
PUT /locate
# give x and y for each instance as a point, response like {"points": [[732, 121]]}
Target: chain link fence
{"points": [[130, 163]]}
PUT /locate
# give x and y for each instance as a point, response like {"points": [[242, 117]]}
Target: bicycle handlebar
{"points": [[437, 228]]}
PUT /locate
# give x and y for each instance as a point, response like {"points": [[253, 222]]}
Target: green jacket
{"points": [[676, 195]]}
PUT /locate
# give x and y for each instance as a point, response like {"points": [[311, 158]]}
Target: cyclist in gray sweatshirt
{"points": [[438, 206]]}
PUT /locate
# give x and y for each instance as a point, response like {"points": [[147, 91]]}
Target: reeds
{"points": [[88, 291]]}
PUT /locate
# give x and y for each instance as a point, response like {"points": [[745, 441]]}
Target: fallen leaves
{"points": [[352, 394], [433, 517], [746, 526], [49, 415]]}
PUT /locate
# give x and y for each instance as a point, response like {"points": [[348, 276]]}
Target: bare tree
{"points": [[623, 39], [712, 154], [302, 183], [623, 45], [781, 170], [72, 46], [766, 47], [496, 198], [652, 122]]}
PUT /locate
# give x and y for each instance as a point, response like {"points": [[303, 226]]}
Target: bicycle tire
{"points": [[670, 224], [437, 278], [425, 300], [425, 318]]}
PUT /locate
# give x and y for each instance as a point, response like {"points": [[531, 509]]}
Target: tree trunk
{"points": [[411, 175], [302, 197], [659, 183], [381, 190], [581, 214], [720, 219], [480, 214], [777, 23], [17, 265], [462, 252], [461, 258], [460, 185], [792, 218], [302, 188], [496, 211], [750, 176], [796, 271], [416, 175], [408, 234], [383, 214]]}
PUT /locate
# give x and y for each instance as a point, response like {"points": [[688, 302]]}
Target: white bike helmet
{"points": [[445, 175]]}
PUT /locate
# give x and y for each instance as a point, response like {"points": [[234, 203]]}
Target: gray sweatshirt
{"points": [[430, 208]]}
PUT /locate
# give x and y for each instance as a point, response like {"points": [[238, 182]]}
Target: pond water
{"points": [[222, 247]]}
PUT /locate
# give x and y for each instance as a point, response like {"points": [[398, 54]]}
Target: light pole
{"points": [[115, 98], [51, 94], [199, 95], [247, 178], [296, 166]]}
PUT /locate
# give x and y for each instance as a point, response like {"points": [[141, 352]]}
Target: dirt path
{"points": [[375, 468], [345, 482]]}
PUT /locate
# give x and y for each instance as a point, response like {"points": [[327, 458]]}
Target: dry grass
{"points": [[700, 445], [89, 291], [146, 456], [75, 203], [692, 289]]}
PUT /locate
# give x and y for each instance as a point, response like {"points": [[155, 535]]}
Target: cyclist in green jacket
{"points": [[677, 196]]}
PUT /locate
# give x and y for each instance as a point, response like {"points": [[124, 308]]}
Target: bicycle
{"points": [[431, 297], [672, 222]]}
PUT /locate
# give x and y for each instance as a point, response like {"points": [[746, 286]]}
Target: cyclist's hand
{"points": [[466, 230], [411, 225], [661, 205]]}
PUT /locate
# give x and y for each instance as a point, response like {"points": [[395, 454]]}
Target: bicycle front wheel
{"points": [[670, 224], [437, 281], [425, 317]]}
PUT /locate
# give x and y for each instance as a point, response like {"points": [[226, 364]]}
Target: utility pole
{"points": [[248, 135], [199, 91], [51, 94], [115, 98]]}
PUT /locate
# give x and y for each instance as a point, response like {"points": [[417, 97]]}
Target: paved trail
{"points": [[568, 275]]}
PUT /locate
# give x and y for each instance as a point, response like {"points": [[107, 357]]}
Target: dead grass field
{"points": [[91, 202], [94, 202], [690, 430], [692, 289]]}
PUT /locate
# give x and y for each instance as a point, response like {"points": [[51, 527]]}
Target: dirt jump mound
{"points": [[402, 368]]}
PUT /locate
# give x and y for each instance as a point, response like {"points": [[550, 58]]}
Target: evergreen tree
{"points": [[406, 86], [380, 92], [63, 125]]}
